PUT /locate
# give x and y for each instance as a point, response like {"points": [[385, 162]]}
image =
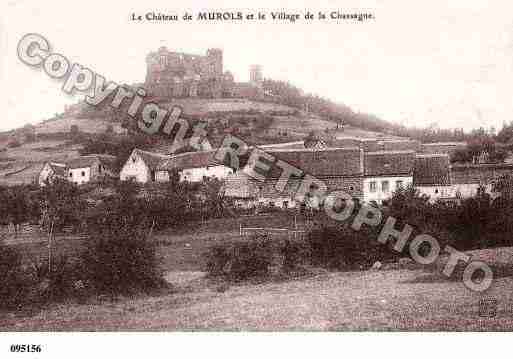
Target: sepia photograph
{"points": [[308, 167]]}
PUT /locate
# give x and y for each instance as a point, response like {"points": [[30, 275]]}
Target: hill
{"points": [[258, 122]]}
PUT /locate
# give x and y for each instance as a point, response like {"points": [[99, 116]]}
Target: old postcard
{"points": [[315, 166]]}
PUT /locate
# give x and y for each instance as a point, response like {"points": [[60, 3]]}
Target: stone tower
{"points": [[255, 74], [214, 63]]}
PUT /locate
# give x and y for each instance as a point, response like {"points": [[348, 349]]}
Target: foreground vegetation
{"points": [[119, 254], [399, 299]]}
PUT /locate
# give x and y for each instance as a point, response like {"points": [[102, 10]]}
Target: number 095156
{"points": [[25, 348]]}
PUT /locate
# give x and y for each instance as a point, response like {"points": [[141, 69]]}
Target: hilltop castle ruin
{"points": [[179, 75]]}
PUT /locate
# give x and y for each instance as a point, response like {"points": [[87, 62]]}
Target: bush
{"points": [[295, 253], [217, 258], [15, 286], [241, 260], [343, 248], [66, 280], [122, 262], [25, 286], [119, 257]]}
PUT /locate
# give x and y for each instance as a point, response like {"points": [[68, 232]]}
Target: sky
{"points": [[418, 63]]}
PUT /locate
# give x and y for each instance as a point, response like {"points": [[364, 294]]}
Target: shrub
{"points": [[217, 258], [121, 261], [26, 286], [15, 286], [294, 253], [66, 280], [119, 257], [343, 248], [251, 258], [241, 259]]}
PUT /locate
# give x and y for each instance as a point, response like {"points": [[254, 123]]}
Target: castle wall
{"points": [[177, 75]]}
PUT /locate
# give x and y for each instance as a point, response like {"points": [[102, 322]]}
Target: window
{"points": [[385, 186], [100, 169], [436, 190], [285, 204], [133, 159], [372, 186], [71, 174], [398, 184], [83, 173]]}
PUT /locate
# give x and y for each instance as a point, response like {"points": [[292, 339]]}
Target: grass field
{"points": [[412, 298], [86, 125], [369, 300], [22, 164], [178, 249]]}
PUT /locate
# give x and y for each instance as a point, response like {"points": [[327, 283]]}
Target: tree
{"points": [[120, 257], [15, 204], [215, 201], [62, 204]]}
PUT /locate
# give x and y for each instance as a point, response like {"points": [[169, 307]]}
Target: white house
{"points": [[194, 167], [386, 171], [89, 168], [50, 171], [141, 167], [432, 176]]}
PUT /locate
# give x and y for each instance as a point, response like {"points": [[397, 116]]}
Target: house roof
{"points": [[151, 159], [58, 168], [478, 173], [89, 160], [289, 145], [327, 162], [400, 145], [189, 160], [455, 144], [431, 170], [383, 163]]}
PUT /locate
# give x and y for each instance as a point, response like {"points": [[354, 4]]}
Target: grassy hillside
{"points": [[196, 106], [86, 125], [256, 122], [22, 164]]}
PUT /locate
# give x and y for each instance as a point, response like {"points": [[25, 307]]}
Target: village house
{"points": [[339, 168], [193, 167], [89, 168], [386, 171], [50, 171], [432, 176], [141, 166], [466, 179]]}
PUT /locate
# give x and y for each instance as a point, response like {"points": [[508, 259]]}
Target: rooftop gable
{"points": [[90, 160], [432, 170], [389, 163]]}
